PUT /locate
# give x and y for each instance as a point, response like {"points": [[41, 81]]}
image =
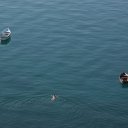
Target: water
{"points": [[74, 49]]}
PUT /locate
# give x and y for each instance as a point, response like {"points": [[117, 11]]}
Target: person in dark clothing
{"points": [[122, 75]]}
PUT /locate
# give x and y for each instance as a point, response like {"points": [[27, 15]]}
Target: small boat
{"points": [[123, 78], [5, 34]]}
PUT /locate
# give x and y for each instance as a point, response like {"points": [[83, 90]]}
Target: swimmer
{"points": [[53, 97]]}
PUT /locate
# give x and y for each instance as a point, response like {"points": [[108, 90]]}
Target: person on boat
{"points": [[122, 75]]}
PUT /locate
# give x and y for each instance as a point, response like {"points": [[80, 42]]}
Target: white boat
{"points": [[5, 34], [123, 78]]}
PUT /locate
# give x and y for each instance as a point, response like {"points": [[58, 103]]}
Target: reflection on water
{"points": [[5, 42], [124, 85]]}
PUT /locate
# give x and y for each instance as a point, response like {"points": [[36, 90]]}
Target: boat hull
{"points": [[5, 38], [5, 42], [123, 81]]}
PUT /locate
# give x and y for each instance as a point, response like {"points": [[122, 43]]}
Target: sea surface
{"points": [[75, 49]]}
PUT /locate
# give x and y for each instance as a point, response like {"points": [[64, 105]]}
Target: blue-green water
{"points": [[74, 49]]}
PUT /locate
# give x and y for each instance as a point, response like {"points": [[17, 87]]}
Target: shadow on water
{"points": [[124, 85], [5, 42]]}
